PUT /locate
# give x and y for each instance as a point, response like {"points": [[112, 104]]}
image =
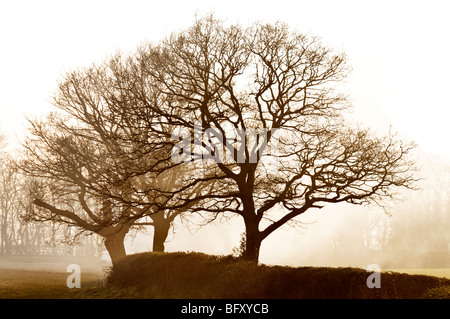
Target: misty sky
{"points": [[398, 50]]}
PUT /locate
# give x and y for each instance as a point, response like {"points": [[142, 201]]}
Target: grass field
{"points": [[32, 282], [19, 284], [45, 278]]}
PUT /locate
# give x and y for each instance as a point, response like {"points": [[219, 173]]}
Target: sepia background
{"points": [[398, 51]]}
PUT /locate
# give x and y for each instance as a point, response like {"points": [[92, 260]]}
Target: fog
{"points": [[399, 55], [412, 232]]}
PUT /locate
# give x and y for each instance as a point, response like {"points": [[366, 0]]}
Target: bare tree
{"points": [[217, 84], [89, 164]]}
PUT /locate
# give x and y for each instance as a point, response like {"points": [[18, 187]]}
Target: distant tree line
{"points": [[20, 236], [414, 232], [420, 226]]}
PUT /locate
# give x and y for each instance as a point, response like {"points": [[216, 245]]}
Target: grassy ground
{"points": [[27, 284], [181, 275], [45, 278]]}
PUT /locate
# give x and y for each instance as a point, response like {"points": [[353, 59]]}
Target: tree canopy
{"points": [[252, 117]]}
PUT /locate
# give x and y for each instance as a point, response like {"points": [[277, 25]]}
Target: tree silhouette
{"points": [[90, 166], [261, 115], [215, 119], [84, 166]]}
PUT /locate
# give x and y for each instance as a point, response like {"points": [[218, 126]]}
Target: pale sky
{"points": [[399, 50]]}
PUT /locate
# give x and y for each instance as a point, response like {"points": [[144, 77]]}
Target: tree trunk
{"points": [[161, 226], [115, 246], [160, 233], [253, 240]]}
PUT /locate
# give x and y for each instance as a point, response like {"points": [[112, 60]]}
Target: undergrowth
{"points": [[195, 275]]}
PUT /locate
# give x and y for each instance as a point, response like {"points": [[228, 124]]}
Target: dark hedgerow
{"points": [[197, 275]]}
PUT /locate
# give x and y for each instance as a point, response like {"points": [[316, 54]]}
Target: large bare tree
{"points": [[259, 110]]}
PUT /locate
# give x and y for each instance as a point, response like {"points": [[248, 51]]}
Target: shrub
{"points": [[196, 275]]}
